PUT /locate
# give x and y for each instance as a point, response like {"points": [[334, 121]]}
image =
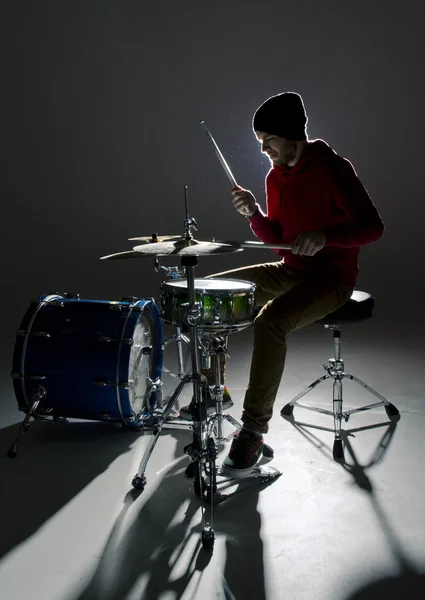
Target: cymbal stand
{"points": [[202, 450]]}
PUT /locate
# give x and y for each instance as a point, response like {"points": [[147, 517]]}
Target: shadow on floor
{"points": [[407, 585], [161, 551], [410, 581], [54, 463]]}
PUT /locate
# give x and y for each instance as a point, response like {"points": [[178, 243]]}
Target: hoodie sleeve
{"points": [[269, 232], [364, 224]]}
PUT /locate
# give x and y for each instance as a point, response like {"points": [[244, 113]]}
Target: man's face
{"points": [[280, 150]]}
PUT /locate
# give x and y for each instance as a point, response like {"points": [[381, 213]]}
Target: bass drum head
{"points": [[142, 361]]}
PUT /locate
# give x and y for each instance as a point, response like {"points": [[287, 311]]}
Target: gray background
{"points": [[100, 110], [100, 133]]}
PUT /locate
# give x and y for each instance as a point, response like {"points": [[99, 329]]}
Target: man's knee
{"points": [[269, 318]]}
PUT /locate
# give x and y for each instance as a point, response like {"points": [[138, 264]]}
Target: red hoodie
{"points": [[321, 192]]}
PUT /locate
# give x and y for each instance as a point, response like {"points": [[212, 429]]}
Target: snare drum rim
{"points": [[174, 285]]}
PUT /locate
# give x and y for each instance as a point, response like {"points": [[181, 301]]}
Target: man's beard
{"points": [[287, 156], [290, 154]]}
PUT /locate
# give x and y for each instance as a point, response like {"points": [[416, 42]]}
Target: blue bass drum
{"points": [[91, 359]]}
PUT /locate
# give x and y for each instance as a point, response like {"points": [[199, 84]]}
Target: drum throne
{"points": [[359, 307]]}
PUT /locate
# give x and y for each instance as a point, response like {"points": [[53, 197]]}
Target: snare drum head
{"points": [[217, 284]]}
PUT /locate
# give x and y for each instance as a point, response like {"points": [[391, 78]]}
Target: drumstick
{"points": [[222, 160]]}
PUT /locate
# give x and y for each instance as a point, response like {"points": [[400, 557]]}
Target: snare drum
{"points": [[92, 359], [226, 305]]}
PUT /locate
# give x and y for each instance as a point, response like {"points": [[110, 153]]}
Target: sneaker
{"points": [[245, 452], [188, 412]]}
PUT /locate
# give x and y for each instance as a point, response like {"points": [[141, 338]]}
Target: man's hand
{"points": [[243, 201], [308, 243]]}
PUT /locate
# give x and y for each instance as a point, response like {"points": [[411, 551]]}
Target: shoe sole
{"points": [[210, 411], [237, 473]]}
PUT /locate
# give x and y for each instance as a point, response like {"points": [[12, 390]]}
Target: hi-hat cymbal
{"points": [[179, 248], [150, 239]]}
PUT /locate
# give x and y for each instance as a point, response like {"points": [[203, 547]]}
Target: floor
{"points": [[73, 528]]}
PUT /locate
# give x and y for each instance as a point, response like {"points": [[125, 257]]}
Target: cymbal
{"points": [[149, 239], [179, 248], [185, 248], [129, 254]]}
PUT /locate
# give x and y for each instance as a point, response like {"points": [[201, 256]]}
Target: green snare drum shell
{"points": [[219, 308]]}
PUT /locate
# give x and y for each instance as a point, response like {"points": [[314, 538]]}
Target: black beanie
{"points": [[283, 115]]}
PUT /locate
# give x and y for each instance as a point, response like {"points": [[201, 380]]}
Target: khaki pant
{"points": [[290, 300]]}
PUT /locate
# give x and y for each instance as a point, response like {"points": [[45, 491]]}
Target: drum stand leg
{"points": [[215, 422], [38, 395], [139, 480], [218, 347]]}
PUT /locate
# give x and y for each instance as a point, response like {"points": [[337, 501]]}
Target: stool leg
{"points": [[288, 409], [390, 409], [338, 451]]}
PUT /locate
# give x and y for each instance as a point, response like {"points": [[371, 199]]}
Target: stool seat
{"points": [[358, 308]]}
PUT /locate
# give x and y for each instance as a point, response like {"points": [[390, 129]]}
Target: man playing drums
{"points": [[316, 203]]}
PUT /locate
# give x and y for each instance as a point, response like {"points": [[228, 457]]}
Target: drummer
{"points": [[316, 203]]}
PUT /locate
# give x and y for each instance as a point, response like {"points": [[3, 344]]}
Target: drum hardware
{"points": [[217, 309], [103, 382], [66, 295], [205, 354], [173, 272], [57, 303], [191, 314], [153, 386], [37, 333], [38, 394], [125, 341], [180, 338], [33, 377], [116, 307], [218, 346], [202, 450], [155, 238]]}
